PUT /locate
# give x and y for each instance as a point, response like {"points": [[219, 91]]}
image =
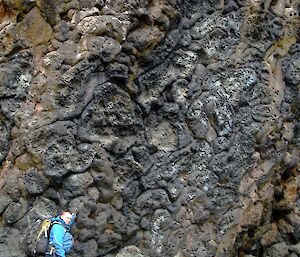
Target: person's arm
{"points": [[57, 236], [73, 219], [74, 212]]}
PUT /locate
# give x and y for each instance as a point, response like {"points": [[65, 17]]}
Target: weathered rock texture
{"points": [[172, 125]]}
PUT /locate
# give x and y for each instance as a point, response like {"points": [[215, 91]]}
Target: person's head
{"points": [[66, 216]]}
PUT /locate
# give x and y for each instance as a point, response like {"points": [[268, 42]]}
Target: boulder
{"points": [[278, 250], [14, 212], [104, 47], [130, 251], [77, 184], [35, 181], [34, 28]]}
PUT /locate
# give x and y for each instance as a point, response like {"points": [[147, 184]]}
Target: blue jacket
{"points": [[57, 234]]}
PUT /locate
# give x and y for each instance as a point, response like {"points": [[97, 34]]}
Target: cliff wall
{"points": [[171, 125]]}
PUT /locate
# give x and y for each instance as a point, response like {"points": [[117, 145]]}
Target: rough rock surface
{"points": [[171, 125]]}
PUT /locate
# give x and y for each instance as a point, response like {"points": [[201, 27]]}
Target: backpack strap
{"points": [[56, 222]]}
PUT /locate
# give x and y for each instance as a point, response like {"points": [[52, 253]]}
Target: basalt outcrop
{"points": [[171, 125]]}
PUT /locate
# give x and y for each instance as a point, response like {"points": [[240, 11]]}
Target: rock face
{"points": [[172, 126]]}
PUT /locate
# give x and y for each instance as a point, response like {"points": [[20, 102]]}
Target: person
{"points": [[60, 239]]}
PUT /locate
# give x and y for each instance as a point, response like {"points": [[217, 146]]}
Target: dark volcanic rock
{"points": [[35, 181], [172, 126]]}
